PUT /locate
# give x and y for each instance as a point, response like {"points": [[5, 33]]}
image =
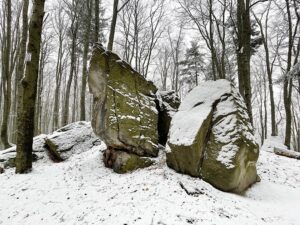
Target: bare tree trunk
{"points": [[65, 116], [97, 21], [269, 66], [39, 104], [61, 32], [113, 26], [75, 98], [84, 61], [265, 107], [287, 87], [244, 52], [7, 79], [29, 82]]}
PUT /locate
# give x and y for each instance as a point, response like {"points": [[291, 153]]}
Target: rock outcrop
{"points": [[128, 113], [8, 156], [124, 112], [168, 103], [70, 140], [123, 162], [211, 137], [60, 145]]}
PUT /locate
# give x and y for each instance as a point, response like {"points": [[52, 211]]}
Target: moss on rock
{"points": [[224, 151], [123, 162], [124, 113]]}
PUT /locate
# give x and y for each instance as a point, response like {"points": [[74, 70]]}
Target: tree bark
{"points": [[287, 87], [7, 79], [269, 66], [29, 83], [84, 60], [97, 21], [244, 52], [65, 116], [22, 53], [113, 26]]}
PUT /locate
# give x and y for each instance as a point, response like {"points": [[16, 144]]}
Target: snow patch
{"points": [[194, 109]]}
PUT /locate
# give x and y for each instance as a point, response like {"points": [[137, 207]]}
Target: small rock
{"points": [[122, 162]]}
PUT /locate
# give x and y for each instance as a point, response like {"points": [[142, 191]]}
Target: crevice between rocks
{"points": [[211, 124]]}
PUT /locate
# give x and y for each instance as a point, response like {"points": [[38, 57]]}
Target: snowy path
{"points": [[82, 191]]}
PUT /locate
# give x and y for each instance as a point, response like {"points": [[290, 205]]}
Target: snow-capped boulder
{"points": [[72, 139], [124, 116], [211, 137], [8, 156]]}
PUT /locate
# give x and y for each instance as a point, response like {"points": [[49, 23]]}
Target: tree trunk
{"points": [[7, 79], [113, 26], [244, 52], [287, 87], [84, 61], [29, 83], [21, 58], [39, 104], [65, 116], [97, 21], [58, 76], [269, 66]]}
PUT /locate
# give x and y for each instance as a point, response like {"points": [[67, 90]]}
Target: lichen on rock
{"points": [[124, 112], [129, 114], [211, 137]]}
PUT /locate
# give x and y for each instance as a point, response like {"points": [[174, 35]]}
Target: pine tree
{"points": [[192, 65]]}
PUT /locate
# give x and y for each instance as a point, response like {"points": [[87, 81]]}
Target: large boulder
{"points": [[70, 140], [211, 137], [8, 156], [124, 116]]}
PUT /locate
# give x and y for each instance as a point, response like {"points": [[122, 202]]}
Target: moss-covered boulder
{"points": [[123, 162], [124, 116], [211, 137]]}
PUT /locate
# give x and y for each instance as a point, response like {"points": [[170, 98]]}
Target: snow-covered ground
{"points": [[82, 191]]}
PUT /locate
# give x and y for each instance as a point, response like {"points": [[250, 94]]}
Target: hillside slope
{"points": [[82, 191]]}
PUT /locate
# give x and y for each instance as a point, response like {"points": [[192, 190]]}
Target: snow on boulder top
{"points": [[194, 109]]}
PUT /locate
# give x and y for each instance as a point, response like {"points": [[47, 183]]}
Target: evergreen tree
{"points": [[192, 66]]}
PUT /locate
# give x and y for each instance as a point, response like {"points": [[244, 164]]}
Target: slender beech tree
{"points": [[114, 23], [73, 10], [6, 77], [113, 26], [97, 21], [288, 85], [29, 90], [22, 53], [86, 42], [244, 52], [59, 25], [269, 63]]}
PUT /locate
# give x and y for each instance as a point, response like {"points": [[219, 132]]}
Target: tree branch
{"points": [[120, 9]]}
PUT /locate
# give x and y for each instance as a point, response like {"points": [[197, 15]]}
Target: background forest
{"points": [[175, 43]]}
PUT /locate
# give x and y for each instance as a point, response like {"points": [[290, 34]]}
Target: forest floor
{"points": [[82, 191]]}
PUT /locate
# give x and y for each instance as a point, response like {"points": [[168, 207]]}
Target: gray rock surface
{"points": [[211, 137], [60, 145], [123, 162], [124, 112]]}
